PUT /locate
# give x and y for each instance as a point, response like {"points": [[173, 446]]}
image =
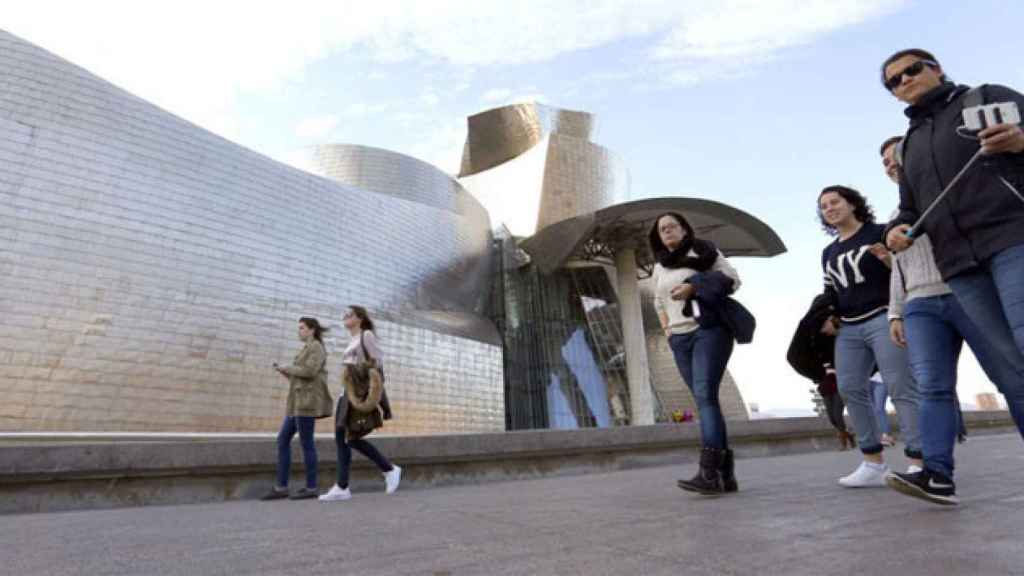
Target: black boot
{"points": [[728, 471], [708, 480]]}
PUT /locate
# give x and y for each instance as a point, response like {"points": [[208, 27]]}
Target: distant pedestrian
{"points": [[308, 399], [363, 407], [879, 398], [812, 354]]}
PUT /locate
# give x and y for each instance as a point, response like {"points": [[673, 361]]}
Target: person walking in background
{"points": [[812, 354], [879, 398], [363, 407], [308, 399], [692, 281], [856, 269], [926, 318]]}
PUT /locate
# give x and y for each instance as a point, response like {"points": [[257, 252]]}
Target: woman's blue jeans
{"points": [[304, 425], [701, 357]]}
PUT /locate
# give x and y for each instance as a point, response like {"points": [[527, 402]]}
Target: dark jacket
{"points": [[981, 216], [717, 308], [810, 350]]}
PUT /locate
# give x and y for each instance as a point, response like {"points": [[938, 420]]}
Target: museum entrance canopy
{"points": [[597, 235]]}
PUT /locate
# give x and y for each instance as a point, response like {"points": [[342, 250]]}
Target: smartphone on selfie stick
{"points": [[976, 119]]}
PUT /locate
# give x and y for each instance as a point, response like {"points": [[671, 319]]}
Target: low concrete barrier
{"points": [[51, 472]]}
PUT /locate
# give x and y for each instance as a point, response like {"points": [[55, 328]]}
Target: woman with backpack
{"points": [[308, 399], [363, 407]]}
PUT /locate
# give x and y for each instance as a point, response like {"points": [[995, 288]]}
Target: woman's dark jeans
{"points": [[701, 357], [304, 425], [345, 456]]}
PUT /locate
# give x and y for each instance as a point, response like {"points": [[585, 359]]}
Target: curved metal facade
{"points": [[462, 283], [386, 172], [153, 271], [551, 169]]}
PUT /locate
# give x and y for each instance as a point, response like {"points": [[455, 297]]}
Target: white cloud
{"points": [[301, 159], [442, 146], [195, 58], [363, 109], [528, 97], [502, 96], [430, 99], [744, 28], [496, 95], [316, 127]]}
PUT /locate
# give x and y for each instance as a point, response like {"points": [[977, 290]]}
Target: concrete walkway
{"points": [[789, 518]]}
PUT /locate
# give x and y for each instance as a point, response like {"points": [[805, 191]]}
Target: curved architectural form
{"points": [[502, 134], [463, 283], [532, 166], [153, 271], [386, 172], [596, 235], [577, 349]]}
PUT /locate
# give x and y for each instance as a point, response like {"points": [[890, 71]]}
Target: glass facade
{"points": [[564, 362]]}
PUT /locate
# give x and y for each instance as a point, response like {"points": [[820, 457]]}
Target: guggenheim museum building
{"points": [[151, 271]]}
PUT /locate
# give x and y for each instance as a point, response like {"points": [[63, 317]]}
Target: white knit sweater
{"points": [[665, 279], [914, 275]]}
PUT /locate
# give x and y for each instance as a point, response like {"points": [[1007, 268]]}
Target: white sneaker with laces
{"points": [[391, 479], [865, 476], [336, 494]]}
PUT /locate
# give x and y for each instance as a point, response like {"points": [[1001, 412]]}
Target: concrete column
{"points": [[641, 400]]}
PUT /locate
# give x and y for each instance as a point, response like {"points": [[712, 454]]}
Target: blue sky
{"points": [[758, 104]]}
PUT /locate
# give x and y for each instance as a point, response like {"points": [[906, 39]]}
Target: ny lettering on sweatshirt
{"points": [[857, 281]]}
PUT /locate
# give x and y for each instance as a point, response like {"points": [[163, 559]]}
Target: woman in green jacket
{"points": [[308, 399]]}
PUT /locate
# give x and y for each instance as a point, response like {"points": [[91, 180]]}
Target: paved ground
{"points": [[790, 518]]}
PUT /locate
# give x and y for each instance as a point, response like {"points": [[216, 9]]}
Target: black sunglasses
{"points": [[913, 70]]}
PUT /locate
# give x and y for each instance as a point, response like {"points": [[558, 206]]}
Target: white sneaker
{"points": [[391, 479], [336, 494], [866, 475]]}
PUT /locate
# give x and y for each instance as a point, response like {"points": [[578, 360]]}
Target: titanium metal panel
{"points": [[153, 271], [501, 134]]}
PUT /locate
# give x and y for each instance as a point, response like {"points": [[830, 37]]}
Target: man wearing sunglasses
{"points": [[978, 229]]}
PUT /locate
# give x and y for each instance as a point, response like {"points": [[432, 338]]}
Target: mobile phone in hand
{"points": [[977, 118]]}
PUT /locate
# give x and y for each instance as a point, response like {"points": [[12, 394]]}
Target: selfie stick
{"points": [[920, 221]]}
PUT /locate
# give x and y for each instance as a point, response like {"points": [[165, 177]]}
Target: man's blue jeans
{"points": [[304, 425], [992, 296], [936, 329], [701, 357]]}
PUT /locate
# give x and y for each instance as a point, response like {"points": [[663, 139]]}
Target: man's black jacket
{"points": [[982, 215]]}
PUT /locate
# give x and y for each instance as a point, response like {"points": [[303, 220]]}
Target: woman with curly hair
{"points": [[857, 273]]}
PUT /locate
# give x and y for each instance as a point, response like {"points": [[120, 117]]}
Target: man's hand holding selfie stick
{"points": [[1005, 136]]}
